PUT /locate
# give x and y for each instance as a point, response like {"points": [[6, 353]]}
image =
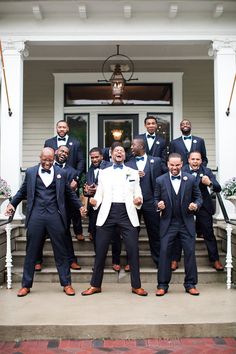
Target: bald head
{"points": [[47, 158]]}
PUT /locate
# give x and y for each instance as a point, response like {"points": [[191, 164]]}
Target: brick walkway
{"points": [[149, 346]]}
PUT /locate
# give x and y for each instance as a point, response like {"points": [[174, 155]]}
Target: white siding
{"points": [[198, 104]]}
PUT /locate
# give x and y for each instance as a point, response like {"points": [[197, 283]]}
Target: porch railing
{"points": [[9, 264], [229, 264]]}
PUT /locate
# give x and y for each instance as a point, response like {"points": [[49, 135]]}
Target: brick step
{"points": [[87, 245], [206, 275], [87, 258]]}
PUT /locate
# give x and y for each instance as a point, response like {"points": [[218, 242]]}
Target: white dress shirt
{"points": [[62, 142], [176, 183], [187, 143], [150, 141], [118, 178], [47, 178]]}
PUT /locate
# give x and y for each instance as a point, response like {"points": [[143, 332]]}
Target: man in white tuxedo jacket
{"points": [[118, 196]]}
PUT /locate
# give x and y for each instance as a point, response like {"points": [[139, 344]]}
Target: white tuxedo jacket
{"points": [[103, 194]]}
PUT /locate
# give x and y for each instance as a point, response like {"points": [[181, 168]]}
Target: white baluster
{"points": [[9, 265], [229, 264]]}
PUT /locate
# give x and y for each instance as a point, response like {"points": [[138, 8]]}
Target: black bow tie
{"points": [[187, 137], [61, 139], [45, 171], [175, 177], [139, 158], [194, 171], [151, 136], [59, 164], [117, 166]]}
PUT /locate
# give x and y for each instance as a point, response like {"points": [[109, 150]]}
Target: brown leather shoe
{"points": [[75, 266], [38, 267], [174, 265], [23, 292], [161, 292], [193, 291], [80, 237], [90, 291], [116, 267], [127, 268], [218, 266], [90, 236], [139, 291], [69, 290]]}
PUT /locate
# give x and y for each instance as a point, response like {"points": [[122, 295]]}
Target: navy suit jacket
{"points": [[75, 158], [152, 169], [158, 148], [189, 192], [198, 144], [206, 196], [27, 191], [90, 178]]}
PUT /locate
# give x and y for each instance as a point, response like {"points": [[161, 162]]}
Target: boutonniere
{"points": [[59, 176], [194, 141], [157, 142], [151, 161], [128, 173], [201, 175], [70, 143], [185, 178]]}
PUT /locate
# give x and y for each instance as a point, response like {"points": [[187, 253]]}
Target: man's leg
{"points": [[190, 265]]}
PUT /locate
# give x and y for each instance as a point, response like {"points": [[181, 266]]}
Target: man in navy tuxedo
{"points": [[60, 161], [188, 143], [155, 145], [149, 168], [177, 197], [75, 160], [45, 188], [204, 220]]}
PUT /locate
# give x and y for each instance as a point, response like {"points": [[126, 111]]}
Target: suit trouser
{"points": [[115, 242], [188, 244], [69, 247], [38, 226], [204, 223], [117, 218], [152, 222]]}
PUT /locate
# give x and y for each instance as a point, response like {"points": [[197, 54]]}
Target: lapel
{"points": [[194, 144], [57, 177], [168, 186], [183, 145], [33, 181], [183, 185], [133, 163]]}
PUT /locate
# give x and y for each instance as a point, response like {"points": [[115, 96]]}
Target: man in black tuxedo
{"points": [[149, 168], [188, 143], [177, 197], [118, 195], [204, 220], [45, 188], [75, 160], [155, 145], [60, 161]]}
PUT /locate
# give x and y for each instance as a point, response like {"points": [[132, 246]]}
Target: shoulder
{"points": [[197, 138], [162, 178], [154, 159], [177, 140]]}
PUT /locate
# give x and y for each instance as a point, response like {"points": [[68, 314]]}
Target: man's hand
{"points": [[141, 173], [192, 207], [73, 185], [83, 212], [206, 180], [9, 210], [92, 202], [161, 205], [138, 201]]}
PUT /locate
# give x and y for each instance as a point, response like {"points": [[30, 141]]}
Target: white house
{"points": [[188, 45]]}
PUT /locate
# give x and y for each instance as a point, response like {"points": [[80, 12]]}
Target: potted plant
{"points": [[5, 190], [229, 190]]}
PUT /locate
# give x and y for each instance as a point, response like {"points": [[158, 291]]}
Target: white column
{"points": [[225, 126], [11, 127]]}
